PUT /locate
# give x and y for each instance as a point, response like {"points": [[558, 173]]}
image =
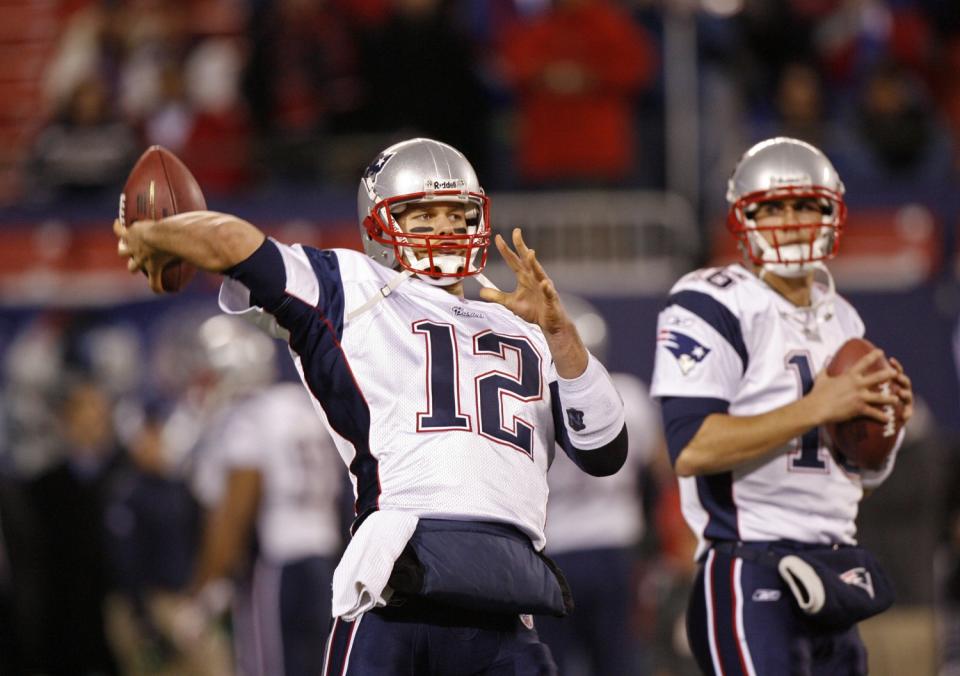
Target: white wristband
{"points": [[871, 478], [592, 407]]}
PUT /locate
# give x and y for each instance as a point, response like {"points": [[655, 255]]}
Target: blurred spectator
{"points": [[153, 527], [19, 581], [897, 126], [577, 69], [798, 107], [420, 72], [69, 502], [86, 148], [303, 80], [266, 472], [947, 574], [217, 146], [601, 634]]}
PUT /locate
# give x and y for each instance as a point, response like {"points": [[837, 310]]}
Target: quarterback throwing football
{"points": [[446, 411], [739, 372]]}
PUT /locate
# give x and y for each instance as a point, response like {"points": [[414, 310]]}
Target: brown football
{"points": [[160, 185], [864, 441]]}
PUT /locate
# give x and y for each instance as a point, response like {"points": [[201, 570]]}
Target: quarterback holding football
{"points": [[740, 372]]}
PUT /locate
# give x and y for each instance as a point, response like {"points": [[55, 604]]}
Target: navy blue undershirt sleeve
{"points": [[682, 418], [263, 273], [602, 461]]}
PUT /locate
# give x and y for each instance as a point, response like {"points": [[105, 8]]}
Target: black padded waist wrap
{"points": [[479, 566]]}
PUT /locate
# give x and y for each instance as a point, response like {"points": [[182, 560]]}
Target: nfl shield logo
{"points": [[575, 419], [527, 621]]}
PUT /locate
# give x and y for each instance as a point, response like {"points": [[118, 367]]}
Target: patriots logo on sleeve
{"points": [[687, 351]]}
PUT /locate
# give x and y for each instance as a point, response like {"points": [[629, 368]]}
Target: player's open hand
{"points": [[852, 393], [535, 299], [140, 256]]}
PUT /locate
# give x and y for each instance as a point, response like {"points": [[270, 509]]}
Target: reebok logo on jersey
{"points": [[462, 312], [859, 577], [687, 351], [766, 595]]}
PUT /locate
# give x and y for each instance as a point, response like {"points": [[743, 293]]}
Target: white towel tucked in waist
{"points": [[360, 580]]}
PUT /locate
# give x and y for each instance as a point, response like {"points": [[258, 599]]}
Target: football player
{"points": [[739, 372], [267, 472], [601, 633], [447, 411]]}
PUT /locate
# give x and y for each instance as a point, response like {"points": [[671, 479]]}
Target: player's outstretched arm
{"points": [[209, 240], [536, 300], [724, 441]]}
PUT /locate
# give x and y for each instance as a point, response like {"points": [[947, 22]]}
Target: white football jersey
{"points": [[726, 335], [440, 406], [587, 512], [276, 432]]}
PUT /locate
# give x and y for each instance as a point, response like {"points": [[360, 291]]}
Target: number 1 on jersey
{"points": [[809, 444], [443, 382]]}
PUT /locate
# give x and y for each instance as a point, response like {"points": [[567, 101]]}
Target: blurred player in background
{"points": [[596, 525], [152, 524], [739, 372], [268, 474], [447, 411]]}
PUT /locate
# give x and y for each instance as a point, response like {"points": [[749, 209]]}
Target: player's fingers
{"points": [[882, 397], [538, 272], [493, 295], [896, 364], [867, 361], [509, 256], [518, 242], [877, 377], [874, 413], [132, 266]]}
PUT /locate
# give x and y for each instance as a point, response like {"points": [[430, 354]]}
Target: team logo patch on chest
{"points": [[687, 351]]}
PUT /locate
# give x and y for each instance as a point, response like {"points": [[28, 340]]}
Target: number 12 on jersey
{"points": [[444, 407]]}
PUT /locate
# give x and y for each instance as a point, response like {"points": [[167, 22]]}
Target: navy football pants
{"points": [[742, 621], [431, 641], [600, 627], [282, 617]]}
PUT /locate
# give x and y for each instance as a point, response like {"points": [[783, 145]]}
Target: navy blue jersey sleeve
{"points": [[682, 418], [265, 273]]}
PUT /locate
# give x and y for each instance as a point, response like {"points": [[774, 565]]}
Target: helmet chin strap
{"points": [[403, 276], [820, 311]]}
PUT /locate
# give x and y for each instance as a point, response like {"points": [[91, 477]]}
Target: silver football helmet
{"points": [[786, 168], [415, 171], [590, 324], [238, 356]]}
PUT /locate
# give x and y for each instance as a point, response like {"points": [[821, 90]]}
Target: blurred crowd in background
{"points": [[271, 101]]}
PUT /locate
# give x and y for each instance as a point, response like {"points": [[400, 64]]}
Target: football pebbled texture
{"points": [[160, 185], [864, 441]]}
